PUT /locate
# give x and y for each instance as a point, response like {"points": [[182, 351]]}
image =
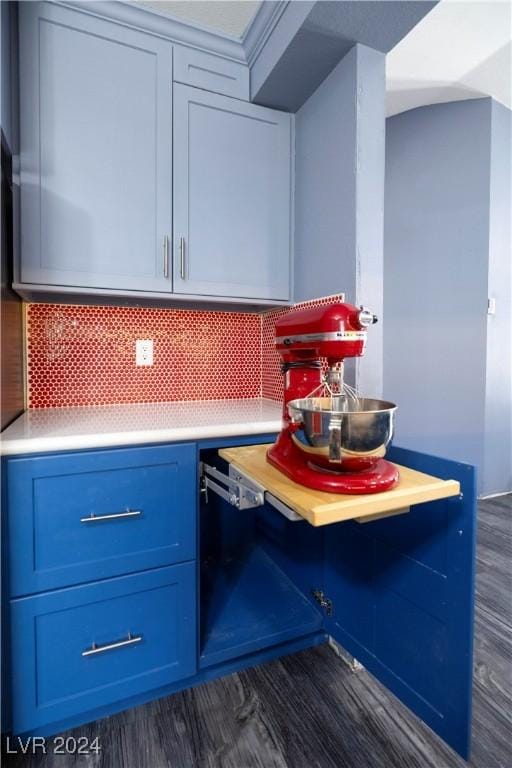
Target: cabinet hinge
{"points": [[323, 601]]}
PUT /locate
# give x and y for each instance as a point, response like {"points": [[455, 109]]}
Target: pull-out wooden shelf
{"points": [[320, 508]]}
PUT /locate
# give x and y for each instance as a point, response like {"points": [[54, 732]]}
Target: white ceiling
{"points": [[460, 50], [231, 17]]}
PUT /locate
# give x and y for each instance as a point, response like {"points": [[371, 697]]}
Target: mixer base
{"points": [[287, 458]]}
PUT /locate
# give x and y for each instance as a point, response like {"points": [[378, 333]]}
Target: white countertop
{"points": [[63, 429]]}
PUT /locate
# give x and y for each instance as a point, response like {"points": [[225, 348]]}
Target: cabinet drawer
{"points": [[211, 73], [77, 649], [85, 516]]}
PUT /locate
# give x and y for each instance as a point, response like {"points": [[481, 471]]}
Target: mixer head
{"points": [[305, 337], [334, 332]]}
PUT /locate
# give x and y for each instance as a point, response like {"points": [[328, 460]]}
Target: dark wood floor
{"points": [[310, 710]]}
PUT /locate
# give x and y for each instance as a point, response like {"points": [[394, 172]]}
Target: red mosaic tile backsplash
{"points": [[80, 355], [83, 355]]}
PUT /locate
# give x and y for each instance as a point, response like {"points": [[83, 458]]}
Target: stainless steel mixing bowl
{"points": [[342, 430]]}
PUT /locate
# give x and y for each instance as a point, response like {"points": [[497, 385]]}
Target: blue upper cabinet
{"points": [[97, 139], [232, 196], [96, 154]]}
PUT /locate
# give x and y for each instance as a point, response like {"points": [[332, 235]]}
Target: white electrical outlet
{"points": [[144, 352]]}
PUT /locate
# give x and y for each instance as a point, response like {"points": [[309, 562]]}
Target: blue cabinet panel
{"points": [[348, 581], [96, 156], [296, 547], [81, 648], [232, 176], [143, 501], [213, 73], [248, 603], [413, 644], [402, 590]]}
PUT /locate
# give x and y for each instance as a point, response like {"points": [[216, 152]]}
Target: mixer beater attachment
{"points": [[333, 393]]}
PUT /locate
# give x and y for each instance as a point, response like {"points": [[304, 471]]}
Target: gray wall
{"points": [[339, 195], [437, 265], [497, 469]]}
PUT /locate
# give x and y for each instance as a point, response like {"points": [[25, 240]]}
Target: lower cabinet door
{"points": [[402, 594], [74, 650]]}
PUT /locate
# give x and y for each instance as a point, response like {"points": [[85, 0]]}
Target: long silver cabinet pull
{"points": [[166, 256], [183, 271], [114, 516], [95, 649]]}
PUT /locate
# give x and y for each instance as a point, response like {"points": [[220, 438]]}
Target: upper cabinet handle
{"points": [[166, 256], [183, 272]]}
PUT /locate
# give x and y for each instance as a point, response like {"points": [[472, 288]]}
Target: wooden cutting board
{"points": [[321, 508]]}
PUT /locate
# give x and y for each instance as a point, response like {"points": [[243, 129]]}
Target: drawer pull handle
{"points": [[114, 516], [95, 649]]}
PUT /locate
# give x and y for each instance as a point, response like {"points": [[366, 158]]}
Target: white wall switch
{"points": [[144, 352], [491, 306]]}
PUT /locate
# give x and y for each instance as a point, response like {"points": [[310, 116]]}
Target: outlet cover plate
{"points": [[144, 352]]}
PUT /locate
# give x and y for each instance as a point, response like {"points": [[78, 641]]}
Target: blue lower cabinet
{"points": [[79, 517], [78, 649], [108, 540]]}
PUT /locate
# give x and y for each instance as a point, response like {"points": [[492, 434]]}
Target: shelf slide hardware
{"points": [[113, 516], [282, 508], [240, 491], [94, 650]]}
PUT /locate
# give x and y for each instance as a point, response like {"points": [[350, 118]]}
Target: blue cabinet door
{"points": [[232, 188], [74, 650], [96, 176], [79, 517], [402, 592]]}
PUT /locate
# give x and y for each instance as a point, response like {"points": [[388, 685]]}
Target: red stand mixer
{"points": [[332, 439]]}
